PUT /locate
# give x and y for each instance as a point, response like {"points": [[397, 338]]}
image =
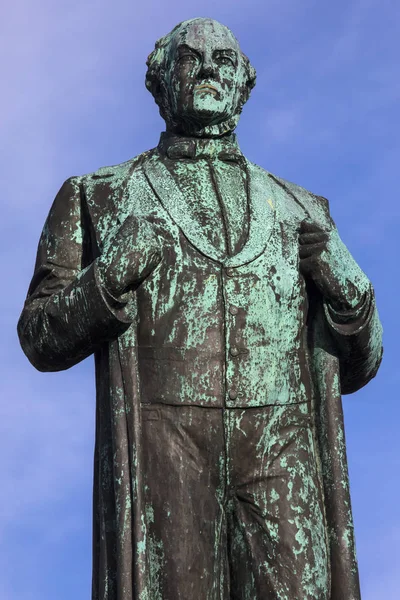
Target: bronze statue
{"points": [[227, 318]]}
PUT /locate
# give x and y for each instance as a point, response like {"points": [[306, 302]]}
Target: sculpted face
{"points": [[203, 81]]}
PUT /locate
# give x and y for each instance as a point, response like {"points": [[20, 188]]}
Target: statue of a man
{"points": [[227, 318]]}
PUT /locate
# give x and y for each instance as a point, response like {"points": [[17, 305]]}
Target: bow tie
{"points": [[176, 148]]}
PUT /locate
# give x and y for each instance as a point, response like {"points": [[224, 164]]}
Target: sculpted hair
{"points": [[157, 66]]}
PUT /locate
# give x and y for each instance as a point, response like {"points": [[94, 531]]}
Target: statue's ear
{"points": [[155, 75], [248, 81], [160, 92]]}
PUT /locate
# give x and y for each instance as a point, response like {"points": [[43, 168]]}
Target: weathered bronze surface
{"points": [[227, 318]]}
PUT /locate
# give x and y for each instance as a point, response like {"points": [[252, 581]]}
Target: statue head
{"points": [[199, 78]]}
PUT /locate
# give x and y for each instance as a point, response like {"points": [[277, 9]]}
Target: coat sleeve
{"points": [[68, 313], [356, 333], [358, 339]]}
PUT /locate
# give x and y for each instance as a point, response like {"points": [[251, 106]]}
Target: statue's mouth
{"points": [[206, 87]]}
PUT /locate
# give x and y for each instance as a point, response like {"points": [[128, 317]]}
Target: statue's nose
{"points": [[206, 69]]}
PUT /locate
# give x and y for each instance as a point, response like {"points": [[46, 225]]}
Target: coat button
{"points": [[234, 350], [230, 272], [233, 309], [233, 394]]}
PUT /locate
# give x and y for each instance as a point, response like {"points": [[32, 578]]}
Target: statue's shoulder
{"points": [[296, 198], [118, 172]]}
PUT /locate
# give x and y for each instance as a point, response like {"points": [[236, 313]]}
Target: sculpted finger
{"points": [[311, 250], [310, 227], [313, 238]]}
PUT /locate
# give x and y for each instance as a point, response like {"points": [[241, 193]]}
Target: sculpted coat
{"points": [[241, 334], [170, 346]]}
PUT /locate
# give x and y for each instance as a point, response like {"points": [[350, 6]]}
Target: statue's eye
{"points": [[188, 58], [224, 59]]}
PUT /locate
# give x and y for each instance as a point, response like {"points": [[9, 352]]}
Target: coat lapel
{"points": [[262, 212], [178, 206], [262, 217]]}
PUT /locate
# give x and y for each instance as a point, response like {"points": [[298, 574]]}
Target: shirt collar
{"points": [[177, 147]]}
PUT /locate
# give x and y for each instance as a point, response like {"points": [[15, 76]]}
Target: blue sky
{"points": [[324, 114]]}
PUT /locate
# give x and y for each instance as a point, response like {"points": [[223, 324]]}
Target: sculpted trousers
{"points": [[234, 504]]}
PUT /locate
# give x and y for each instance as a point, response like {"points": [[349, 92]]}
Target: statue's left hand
{"points": [[324, 265]]}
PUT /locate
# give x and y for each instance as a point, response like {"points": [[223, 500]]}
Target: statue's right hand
{"points": [[130, 256]]}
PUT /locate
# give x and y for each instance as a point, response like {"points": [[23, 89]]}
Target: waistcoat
{"points": [[223, 332]]}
